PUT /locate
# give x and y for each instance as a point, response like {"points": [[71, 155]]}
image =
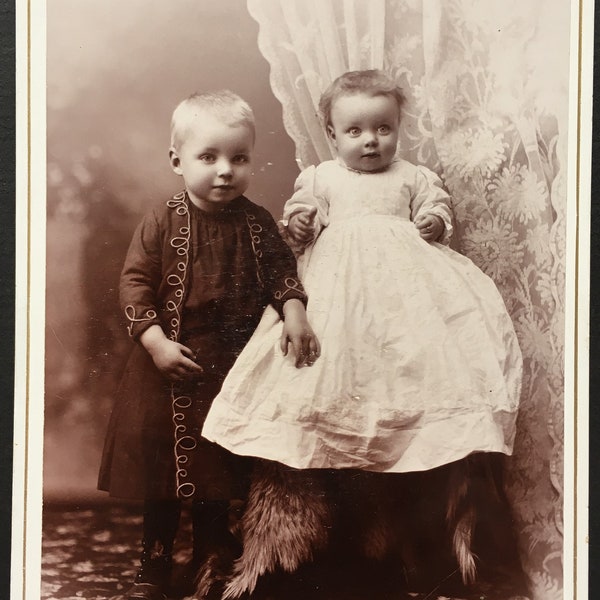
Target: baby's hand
{"points": [[301, 225], [174, 360], [298, 332], [430, 227]]}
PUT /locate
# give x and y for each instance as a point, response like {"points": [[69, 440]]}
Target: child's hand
{"points": [[298, 332], [174, 360], [430, 227], [301, 225]]}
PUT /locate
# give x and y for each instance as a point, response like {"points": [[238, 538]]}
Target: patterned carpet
{"points": [[91, 552]]}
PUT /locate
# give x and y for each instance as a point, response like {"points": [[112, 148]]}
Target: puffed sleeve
{"points": [[141, 277], [304, 199], [430, 198], [278, 267]]}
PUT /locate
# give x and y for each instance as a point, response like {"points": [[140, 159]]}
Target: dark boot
{"points": [[161, 519], [152, 578], [156, 563]]}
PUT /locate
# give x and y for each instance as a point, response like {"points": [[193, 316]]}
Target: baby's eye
{"points": [[354, 131], [240, 159], [384, 129], [207, 158]]}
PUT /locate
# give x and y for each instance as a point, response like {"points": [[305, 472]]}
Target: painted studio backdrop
{"points": [[487, 85]]}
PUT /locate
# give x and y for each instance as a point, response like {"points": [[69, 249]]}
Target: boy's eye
{"points": [[241, 159], [354, 131], [384, 129], [207, 158]]}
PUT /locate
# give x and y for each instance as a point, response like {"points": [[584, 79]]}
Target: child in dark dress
{"points": [[199, 273]]}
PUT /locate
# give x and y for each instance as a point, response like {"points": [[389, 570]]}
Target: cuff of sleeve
{"points": [[138, 324], [293, 290]]}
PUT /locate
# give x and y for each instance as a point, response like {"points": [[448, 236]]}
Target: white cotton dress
{"points": [[420, 364]]}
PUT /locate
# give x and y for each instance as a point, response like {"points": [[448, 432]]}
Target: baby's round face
{"points": [[214, 160], [364, 131]]}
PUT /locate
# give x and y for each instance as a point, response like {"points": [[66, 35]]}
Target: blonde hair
{"points": [[224, 105], [372, 82]]}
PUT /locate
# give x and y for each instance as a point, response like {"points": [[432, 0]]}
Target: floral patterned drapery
{"points": [[487, 87]]}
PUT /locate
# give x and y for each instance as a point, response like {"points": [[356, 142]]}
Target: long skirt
{"points": [[139, 458]]}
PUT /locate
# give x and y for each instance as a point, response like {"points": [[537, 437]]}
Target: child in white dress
{"points": [[420, 364]]}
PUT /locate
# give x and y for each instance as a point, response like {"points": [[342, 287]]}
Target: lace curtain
{"points": [[487, 86]]}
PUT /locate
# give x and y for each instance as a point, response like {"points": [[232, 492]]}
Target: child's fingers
{"points": [[188, 362], [431, 226], [309, 217], [310, 350], [306, 348], [306, 223], [187, 352], [185, 371], [298, 351], [177, 373], [300, 232], [429, 230], [305, 228], [297, 347], [283, 343], [192, 367], [303, 235], [311, 358]]}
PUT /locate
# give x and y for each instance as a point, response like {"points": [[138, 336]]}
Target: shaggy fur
{"points": [[291, 515], [460, 517], [210, 579], [286, 521]]}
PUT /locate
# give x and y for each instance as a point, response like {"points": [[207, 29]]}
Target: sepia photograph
{"points": [[301, 305]]}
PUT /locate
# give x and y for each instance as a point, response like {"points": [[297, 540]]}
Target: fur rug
{"points": [[286, 521], [292, 516]]}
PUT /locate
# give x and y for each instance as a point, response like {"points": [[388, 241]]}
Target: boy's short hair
{"points": [[225, 105], [373, 82]]}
